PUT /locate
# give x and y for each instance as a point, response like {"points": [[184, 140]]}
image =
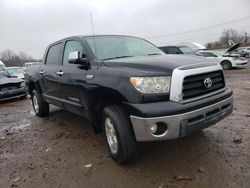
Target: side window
{"points": [[212, 54], [71, 46], [54, 54], [209, 54], [173, 50], [202, 54], [199, 54], [164, 49]]}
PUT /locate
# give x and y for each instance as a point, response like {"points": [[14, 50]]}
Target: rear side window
{"points": [[208, 54], [54, 54], [173, 50]]}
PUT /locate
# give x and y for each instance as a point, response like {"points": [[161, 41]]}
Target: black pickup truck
{"points": [[129, 89]]}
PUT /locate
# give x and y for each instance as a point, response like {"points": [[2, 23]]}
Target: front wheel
{"points": [[226, 65], [41, 108], [119, 134]]}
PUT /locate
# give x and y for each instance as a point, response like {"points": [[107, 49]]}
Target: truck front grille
{"points": [[193, 86], [10, 86]]}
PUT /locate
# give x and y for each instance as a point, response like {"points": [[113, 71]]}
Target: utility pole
{"points": [[245, 37]]}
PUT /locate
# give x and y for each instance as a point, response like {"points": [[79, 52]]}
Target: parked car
{"points": [[227, 62], [247, 49], [171, 50], [129, 89], [11, 87], [25, 65], [244, 51], [15, 71]]}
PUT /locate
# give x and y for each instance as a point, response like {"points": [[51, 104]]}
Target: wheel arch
{"points": [[33, 85], [226, 60], [98, 100]]}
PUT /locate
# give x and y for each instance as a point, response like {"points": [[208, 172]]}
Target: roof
{"points": [[85, 36]]}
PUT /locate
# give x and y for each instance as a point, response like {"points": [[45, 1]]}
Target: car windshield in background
{"points": [[219, 52], [186, 49], [14, 71], [112, 47]]}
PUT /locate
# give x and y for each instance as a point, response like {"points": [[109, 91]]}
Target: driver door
{"points": [[72, 81]]}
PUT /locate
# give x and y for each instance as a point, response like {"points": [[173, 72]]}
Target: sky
{"points": [[30, 25]]}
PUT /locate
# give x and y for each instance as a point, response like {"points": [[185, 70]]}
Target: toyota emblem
{"points": [[207, 82]]}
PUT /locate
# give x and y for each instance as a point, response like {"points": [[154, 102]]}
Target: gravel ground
{"points": [[62, 151]]}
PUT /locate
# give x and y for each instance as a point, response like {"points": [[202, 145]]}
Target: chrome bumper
{"points": [[181, 125]]}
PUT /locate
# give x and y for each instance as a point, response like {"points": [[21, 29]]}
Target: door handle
{"points": [[41, 72], [60, 73]]}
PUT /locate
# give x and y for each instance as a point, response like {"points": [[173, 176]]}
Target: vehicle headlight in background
{"points": [[147, 85], [23, 84]]}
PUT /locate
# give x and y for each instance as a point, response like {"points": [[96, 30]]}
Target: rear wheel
{"points": [[119, 134], [40, 107], [226, 65]]}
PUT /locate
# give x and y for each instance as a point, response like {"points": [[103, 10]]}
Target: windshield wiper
{"points": [[118, 57], [154, 54]]}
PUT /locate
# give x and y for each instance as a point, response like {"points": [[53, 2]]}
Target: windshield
{"points": [[219, 52], [111, 47], [15, 71], [186, 49]]}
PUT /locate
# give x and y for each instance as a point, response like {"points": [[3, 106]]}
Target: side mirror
{"points": [[75, 58]]}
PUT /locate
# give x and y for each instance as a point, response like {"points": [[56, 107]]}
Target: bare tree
{"points": [[231, 34], [226, 36], [7, 55], [25, 56], [10, 58]]}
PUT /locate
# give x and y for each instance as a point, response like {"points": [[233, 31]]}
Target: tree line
{"points": [[227, 37], [11, 58]]}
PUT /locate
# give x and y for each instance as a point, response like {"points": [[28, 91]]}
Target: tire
{"points": [[226, 65], [125, 147], [247, 56], [40, 107]]}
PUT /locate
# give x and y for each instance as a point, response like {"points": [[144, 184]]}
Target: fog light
{"points": [[158, 129], [153, 128]]}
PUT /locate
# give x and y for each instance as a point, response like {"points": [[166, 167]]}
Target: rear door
{"points": [[72, 80], [48, 72]]}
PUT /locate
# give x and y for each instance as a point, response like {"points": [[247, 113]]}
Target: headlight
{"points": [[23, 84], [152, 85]]}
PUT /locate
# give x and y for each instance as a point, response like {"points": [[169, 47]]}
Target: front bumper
{"points": [[182, 124], [240, 63], [11, 94]]}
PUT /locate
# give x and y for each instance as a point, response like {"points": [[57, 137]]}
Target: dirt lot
{"points": [[54, 151]]}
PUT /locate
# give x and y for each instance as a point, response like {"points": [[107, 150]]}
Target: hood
{"points": [[160, 63], [10, 81], [232, 48]]}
